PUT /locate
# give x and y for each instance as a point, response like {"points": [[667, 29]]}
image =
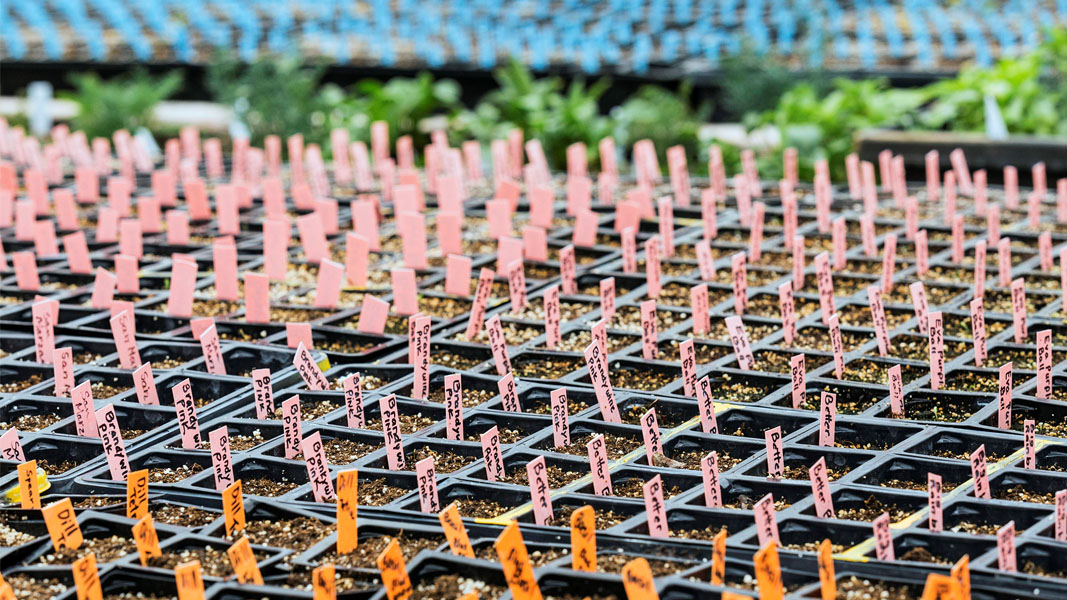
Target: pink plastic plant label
{"points": [[797, 379], [736, 330], [421, 384], [495, 333], [1018, 309], [298, 333], [883, 540], [706, 404], [837, 346], [896, 391], [597, 365], [185, 411], [491, 454], [537, 474], [881, 328], [709, 468], [918, 300], [935, 521], [212, 348], [740, 282], [122, 330], [649, 334], [655, 507], [107, 423], [561, 429], [979, 472], [481, 301], [825, 283], [705, 261], [820, 489], [454, 406], [509, 396], [552, 317], [788, 310], [935, 326], [221, 460], [1044, 364], [651, 435], [426, 474], [598, 465], [766, 523], [263, 393], [775, 457], [458, 275], [63, 370], [84, 411], [1006, 547], [1029, 444], [1004, 391], [145, 385], [687, 356], [394, 447], [827, 418], [607, 298], [652, 266], [698, 298]]}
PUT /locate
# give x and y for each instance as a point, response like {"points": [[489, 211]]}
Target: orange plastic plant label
{"points": [[769, 572], [515, 562], [137, 494], [189, 580], [637, 579], [941, 587], [583, 539], [394, 572], [324, 583], [233, 506], [144, 535], [87, 578], [244, 562], [347, 501], [826, 571], [718, 559], [961, 571], [455, 532], [62, 524], [30, 496]]}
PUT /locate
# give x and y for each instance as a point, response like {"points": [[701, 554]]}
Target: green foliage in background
{"points": [[123, 102], [666, 118], [407, 104], [273, 95], [544, 108]]}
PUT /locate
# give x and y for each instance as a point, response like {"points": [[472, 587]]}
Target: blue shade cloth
{"points": [[624, 36]]}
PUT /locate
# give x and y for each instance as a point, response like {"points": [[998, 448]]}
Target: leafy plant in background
{"points": [[666, 118], [124, 102], [824, 126], [273, 95], [1030, 90], [753, 82], [406, 104], [541, 109]]}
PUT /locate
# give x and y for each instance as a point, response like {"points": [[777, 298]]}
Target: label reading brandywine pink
{"points": [[561, 429], [220, 458], [454, 406], [775, 457], [291, 426], [709, 468], [537, 474], [820, 489], [317, 468], [509, 396], [655, 507], [1004, 391], [421, 384], [598, 465], [185, 411], [935, 522], [597, 365], [391, 428], [426, 474], [1061, 516], [263, 394], [736, 330], [111, 440], [896, 391]]}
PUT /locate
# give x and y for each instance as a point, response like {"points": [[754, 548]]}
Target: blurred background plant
{"points": [[543, 108], [665, 117], [272, 95], [124, 102]]}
